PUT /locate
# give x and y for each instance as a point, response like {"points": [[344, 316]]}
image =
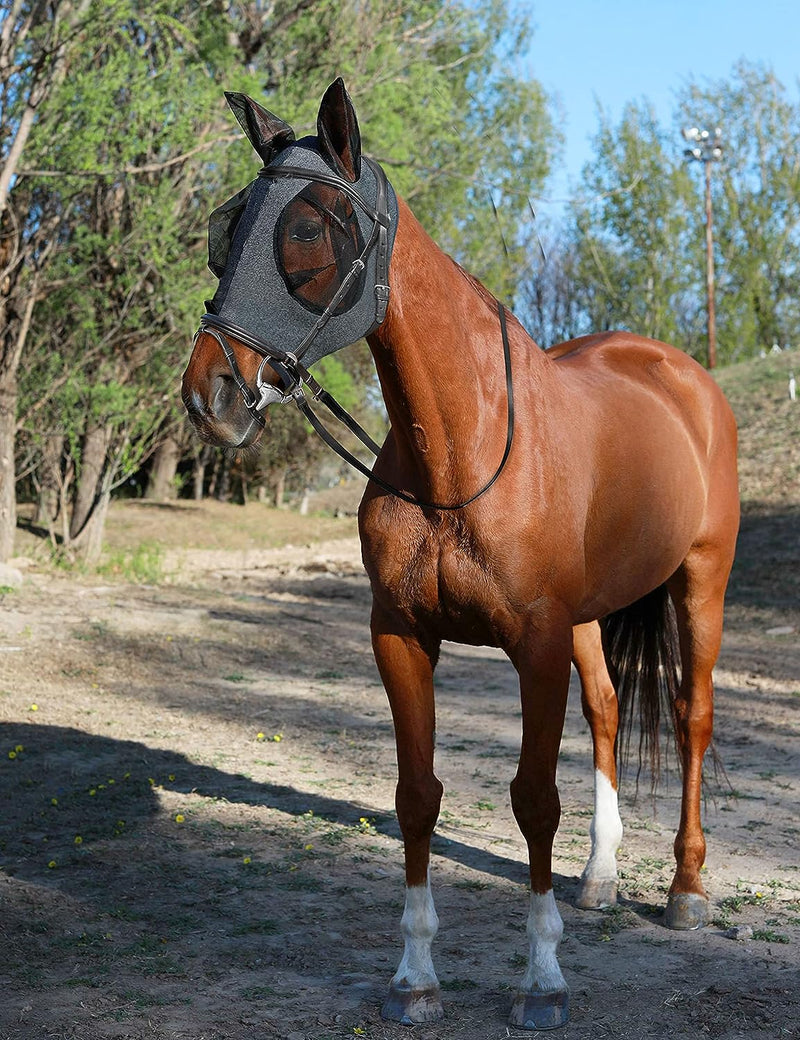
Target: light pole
{"points": [[707, 148]]}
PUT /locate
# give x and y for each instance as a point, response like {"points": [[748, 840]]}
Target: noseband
{"points": [[293, 374]]}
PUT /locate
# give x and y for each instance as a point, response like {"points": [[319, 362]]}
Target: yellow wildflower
{"points": [[180, 818]]}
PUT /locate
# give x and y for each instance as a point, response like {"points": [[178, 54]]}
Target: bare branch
{"points": [[153, 167]]}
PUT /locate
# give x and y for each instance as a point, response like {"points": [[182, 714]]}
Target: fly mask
{"points": [[302, 252]]}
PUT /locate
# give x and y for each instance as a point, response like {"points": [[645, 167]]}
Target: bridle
{"points": [[288, 364]]}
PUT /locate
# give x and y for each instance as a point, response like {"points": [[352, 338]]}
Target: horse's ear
{"points": [[267, 133], [337, 130]]}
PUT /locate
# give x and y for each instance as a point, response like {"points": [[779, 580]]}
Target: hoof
{"points": [[539, 1010], [412, 1007], [686, 911], [596, 893]]}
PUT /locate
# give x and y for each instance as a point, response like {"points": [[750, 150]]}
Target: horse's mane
{"points": [[478, 285]]}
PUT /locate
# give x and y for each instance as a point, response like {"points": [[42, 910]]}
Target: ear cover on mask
{"points": [[266, 132]]}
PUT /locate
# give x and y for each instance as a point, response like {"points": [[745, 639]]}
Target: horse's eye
{"points": [[305, 231]]}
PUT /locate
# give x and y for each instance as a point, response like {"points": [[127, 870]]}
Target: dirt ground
{"points": [[197, 829]]}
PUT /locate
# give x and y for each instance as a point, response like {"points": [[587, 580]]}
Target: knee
{"points": [[417, 801], [537, 808]]}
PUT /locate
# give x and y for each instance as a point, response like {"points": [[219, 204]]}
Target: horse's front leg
{"points": [[406, 667], [543, 662]]}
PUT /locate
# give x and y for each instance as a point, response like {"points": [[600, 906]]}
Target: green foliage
{"points": [[636, 257], [635, 242], [135, 147], [756, 206], [142, 565]]}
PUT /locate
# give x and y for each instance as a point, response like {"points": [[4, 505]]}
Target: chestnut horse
{"points": [[618, 495]]}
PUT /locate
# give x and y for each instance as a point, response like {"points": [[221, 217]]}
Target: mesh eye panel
{"points": [[222, 227], [317, 239]]}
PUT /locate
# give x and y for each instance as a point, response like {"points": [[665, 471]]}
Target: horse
{"points": [[575, 505]]}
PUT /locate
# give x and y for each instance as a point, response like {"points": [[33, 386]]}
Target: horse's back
{"points": [[611, 368]]}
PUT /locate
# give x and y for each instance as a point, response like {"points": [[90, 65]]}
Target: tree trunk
{"points": [[49, 480], [93, 531], [222, 489], [8, 496], [215, 472], [161, 481], [93, 459], [199, 476], [279, 487]]}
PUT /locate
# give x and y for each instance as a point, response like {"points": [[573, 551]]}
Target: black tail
{"points": [[641, 648]]}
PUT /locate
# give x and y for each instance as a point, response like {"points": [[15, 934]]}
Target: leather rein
{"points": [[293, 374]]}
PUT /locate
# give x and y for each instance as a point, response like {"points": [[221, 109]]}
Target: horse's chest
{"points": [[444, 586]]}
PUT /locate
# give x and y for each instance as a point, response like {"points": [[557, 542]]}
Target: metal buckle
{"points": [[268, 392], [381, 302]]}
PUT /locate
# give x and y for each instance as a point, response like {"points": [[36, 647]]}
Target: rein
{"points": [[293, 374]]}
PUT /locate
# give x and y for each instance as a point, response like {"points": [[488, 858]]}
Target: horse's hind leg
{"points": [[598, 885], [698, 592], [406, 668]]}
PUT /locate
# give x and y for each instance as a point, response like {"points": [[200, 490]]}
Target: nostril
{"points": [[224, 393], [195, 405]]}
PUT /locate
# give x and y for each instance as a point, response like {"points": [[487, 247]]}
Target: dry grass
{"points": [[769, 428]]}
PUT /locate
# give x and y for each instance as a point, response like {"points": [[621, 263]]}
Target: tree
{"points": [[37, 40], [118, 285], [124, 161], [637, 221], [633, 233], [757, 209], [552, 300]]}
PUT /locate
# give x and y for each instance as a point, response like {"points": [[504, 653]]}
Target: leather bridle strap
{"points": [[299, 399]]}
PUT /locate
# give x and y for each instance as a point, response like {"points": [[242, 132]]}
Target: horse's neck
{"points": [[439, 356]]}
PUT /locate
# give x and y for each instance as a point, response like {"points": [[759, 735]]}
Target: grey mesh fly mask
{"points": [[318, 309]]}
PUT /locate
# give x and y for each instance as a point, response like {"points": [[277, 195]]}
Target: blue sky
{"points": [[613, 51]]}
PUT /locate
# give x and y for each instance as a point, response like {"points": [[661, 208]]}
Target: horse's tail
{"points": [[641, 649]]}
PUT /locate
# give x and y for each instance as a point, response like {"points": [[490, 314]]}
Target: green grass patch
{"points": [[143, 564]]}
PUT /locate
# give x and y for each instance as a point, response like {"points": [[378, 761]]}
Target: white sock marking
{"points": [[545, 929], [605, 831], [419, 925]]}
